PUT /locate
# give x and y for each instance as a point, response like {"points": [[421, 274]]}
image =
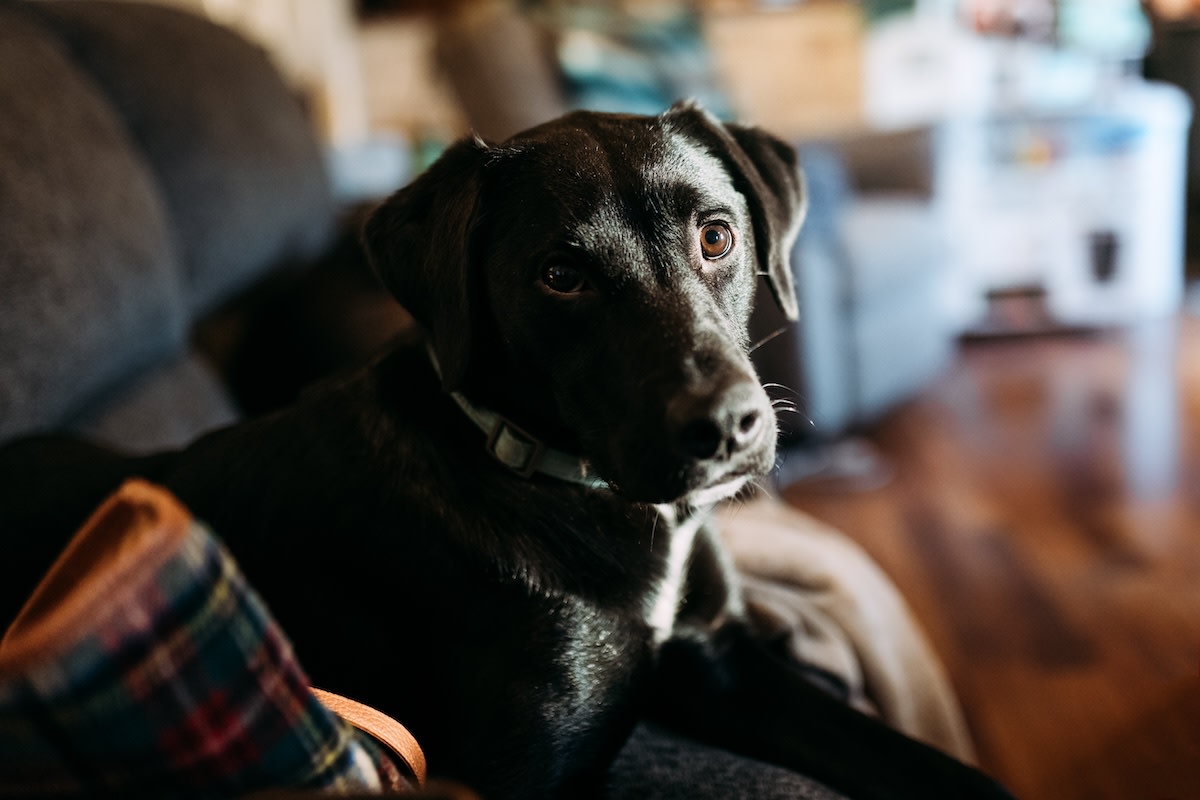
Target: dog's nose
{"points": [[722, 425]]}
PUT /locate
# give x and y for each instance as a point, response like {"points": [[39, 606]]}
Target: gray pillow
{"points": [[239, 165], [89, 287]]}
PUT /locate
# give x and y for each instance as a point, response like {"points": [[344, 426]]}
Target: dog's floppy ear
{"points": [[764, 169], [418, 243]]}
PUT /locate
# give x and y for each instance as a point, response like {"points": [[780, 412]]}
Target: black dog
{"points": [[520, 596]]}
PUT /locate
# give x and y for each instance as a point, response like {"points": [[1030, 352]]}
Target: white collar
{"points": [[523, 453], [518, 450]]}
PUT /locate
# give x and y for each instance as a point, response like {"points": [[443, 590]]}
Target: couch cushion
{"points": [[657, 764], [237, 160], [165, 408], [89, 288]]}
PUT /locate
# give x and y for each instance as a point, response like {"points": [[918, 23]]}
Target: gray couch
{"points": [[150, 170], [155, 170]]}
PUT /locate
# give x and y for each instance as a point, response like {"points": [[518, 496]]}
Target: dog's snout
{"points": [[721, 424], [701, 438]]}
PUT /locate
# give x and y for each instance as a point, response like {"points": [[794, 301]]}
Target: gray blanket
{"points": [[844, 615]]}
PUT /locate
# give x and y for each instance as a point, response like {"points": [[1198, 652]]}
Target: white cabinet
{"points": [[1085, 207]]}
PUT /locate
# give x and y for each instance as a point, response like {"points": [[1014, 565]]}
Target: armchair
{"points": [[870, 269]]}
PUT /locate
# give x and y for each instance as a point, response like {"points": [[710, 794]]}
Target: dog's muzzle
{"points": [[720, 426], [715, 438]]}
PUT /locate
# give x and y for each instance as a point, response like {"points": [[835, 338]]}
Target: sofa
{"points": [[173, 261]]}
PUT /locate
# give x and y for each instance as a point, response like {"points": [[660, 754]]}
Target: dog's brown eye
{"points": [[715, 240], [564, 279]]}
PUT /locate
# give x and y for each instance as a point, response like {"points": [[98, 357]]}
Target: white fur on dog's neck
{"points": [[664, 604]]}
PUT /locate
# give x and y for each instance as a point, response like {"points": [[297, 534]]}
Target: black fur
{"points": [[508, 621]]}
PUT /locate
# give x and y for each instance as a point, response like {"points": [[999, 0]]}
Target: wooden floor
{"points": [[1043, 520]]}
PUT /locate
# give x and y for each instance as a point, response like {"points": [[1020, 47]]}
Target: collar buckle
{"points": [[515, 448]]}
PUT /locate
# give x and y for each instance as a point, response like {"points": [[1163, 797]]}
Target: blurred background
{"points": [[979, 168], [998, 363]]}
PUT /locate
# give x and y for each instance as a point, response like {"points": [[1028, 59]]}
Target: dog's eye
{"points": [[563, 279], [716, 240]]}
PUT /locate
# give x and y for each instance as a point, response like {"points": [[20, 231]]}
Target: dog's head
{"points": [[592, 280]]}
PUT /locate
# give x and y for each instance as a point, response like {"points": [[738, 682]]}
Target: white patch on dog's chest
{"points": [[663, 605]]}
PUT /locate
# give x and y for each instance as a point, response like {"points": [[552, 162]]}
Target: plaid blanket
{"points": [[144, 664]]}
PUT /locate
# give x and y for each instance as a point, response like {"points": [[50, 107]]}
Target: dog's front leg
{"points": [[721, 681]]}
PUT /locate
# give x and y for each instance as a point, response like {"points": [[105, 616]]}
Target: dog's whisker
{"points": [[767, 338], [782, 394]]}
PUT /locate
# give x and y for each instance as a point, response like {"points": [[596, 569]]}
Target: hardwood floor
{"points": [[1043, 520]]}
